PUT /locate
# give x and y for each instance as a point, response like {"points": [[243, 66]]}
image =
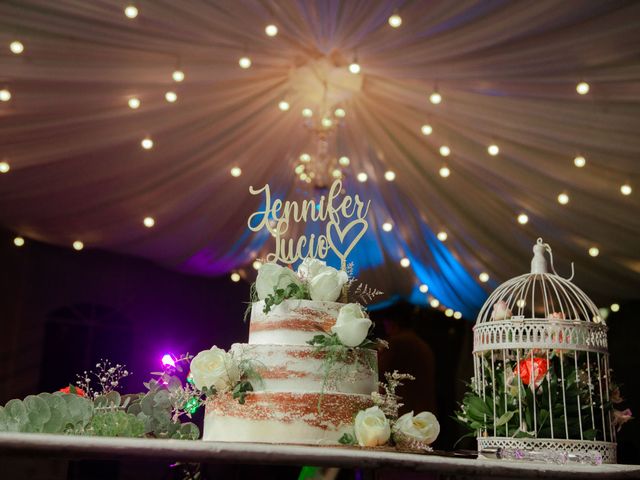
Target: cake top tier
{"points": [[293, 322]]}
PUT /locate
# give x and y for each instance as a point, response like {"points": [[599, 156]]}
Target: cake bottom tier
{"points": [[283, 417]]}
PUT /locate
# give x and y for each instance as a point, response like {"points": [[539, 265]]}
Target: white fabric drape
{"points": [[507, 73]]}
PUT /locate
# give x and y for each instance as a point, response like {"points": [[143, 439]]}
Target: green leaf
{"points": [[504, 418], [347, 439], [38, 413]]}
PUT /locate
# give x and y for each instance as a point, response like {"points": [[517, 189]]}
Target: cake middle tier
{"points": [[298, 368]]}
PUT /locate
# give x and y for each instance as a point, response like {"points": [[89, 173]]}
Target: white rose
{"points": [[327, 284], [351, 326], [501, 311], [215, 368], [310, 267], [271, 276], [372, 427], [424, 427]]}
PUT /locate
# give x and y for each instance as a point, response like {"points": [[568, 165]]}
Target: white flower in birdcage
{"points": [[541, 369]]}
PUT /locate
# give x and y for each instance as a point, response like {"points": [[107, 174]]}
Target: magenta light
{"points": [[167, 359]]}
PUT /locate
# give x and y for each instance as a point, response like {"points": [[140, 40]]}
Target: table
{"points": [[81, 447]]}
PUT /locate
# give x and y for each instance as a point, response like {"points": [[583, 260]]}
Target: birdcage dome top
{"points": [[540, 309]]}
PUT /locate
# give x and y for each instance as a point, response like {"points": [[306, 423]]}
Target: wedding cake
{"points": [[300, 398]]}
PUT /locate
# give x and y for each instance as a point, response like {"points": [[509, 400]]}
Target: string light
{"points": [[307, 113], [171, 97], [326, 122], [389, 175], [457, 315], [615, 307], [445, 172], [626, 189], [244, 62], [271, 30], [483, 277], [594, 251], [435, 98], [131, 11], [340, 112], [147, 143], [4, 167], [395, 20], [563, 199], [435, 303], [579, 161], [582, 88], [16, 47], [18, 241], [442, 236], [449, 312], [178, 76], [235, 277], [362, 177], [423, 288], [426, 129], [523, 219], [405, 262], [299, 169], [354, 67], [493, 150], [236, 172], [305, 157], [5, 95], [78, 245], [149, 222], [387, 227], [344, 161], [336, 173], [445, 151], [283, 105], [257, 264], [134, 103], [521, 303]]}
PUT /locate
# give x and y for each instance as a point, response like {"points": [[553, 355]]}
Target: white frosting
{"points": [[296, 368], [293, 322]]}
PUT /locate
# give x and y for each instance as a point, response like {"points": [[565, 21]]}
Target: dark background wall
{"points": [[61, 311]]}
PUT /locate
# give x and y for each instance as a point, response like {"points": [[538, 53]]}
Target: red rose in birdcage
{"points": [[535, 368], [72, 389]]}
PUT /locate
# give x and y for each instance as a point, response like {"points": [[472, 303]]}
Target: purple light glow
{"points": [[167, 359]]}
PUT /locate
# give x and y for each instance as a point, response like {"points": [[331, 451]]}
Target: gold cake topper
{"points": [[327, 209]]}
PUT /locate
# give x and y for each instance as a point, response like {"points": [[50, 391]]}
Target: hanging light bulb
{"points": [[4, 167], [405, 262], [171, 97], [244, 62], [18, 241], [131, 11], [426, 129], [307, 113], [435, 98], [147, 143], [235, 277], [134, 103], [387, 226], [395, 20], [442, 236], [336, 173], [236, 172], [424, 288], [579, 161], [16, 47], [523, 218], [626, 189], [445, 172], [594, 251], [389, 175], [445, 151], [5, 95], [582, 88], [271, 30], [457, 315], [344, 161], [435, 303], [78, 245], [449, 312], [177, 75], [149, 222], [354, 67], [362, 177], [563, 199], [305, 157], [326, 122], [299, 169], [257, 264], [339, 113], [615, 307], [283, 105], [483, 277], [493, 150]]}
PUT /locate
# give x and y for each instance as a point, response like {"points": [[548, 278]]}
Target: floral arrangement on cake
{"points": [[380, 425]]}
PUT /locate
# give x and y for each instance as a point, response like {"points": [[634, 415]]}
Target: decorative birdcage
{"points": [[541, 369]]}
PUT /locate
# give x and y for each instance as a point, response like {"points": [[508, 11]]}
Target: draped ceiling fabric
{"points": [[507, 73]]}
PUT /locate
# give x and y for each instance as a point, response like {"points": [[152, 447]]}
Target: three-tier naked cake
{"points": [[297, 400]]}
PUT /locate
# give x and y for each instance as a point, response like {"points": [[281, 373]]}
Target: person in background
{"points": [[408, 353]]}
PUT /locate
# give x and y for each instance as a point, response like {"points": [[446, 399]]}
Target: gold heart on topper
{"points": [[337, 245]]}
